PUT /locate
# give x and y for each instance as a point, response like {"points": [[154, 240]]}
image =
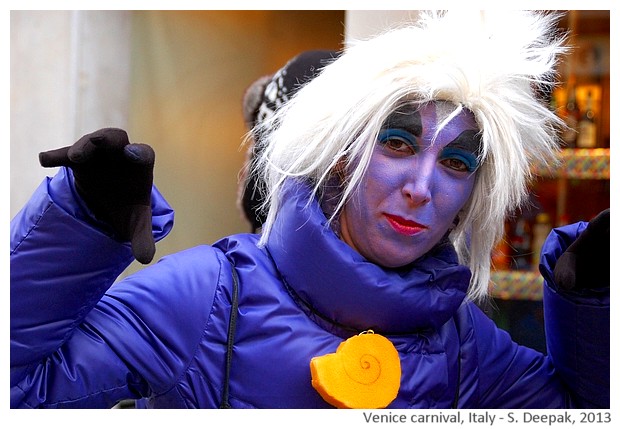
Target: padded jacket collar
{"points": [[339, 286]]}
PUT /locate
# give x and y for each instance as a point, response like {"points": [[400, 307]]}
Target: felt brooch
{"points": [[364, 372]]}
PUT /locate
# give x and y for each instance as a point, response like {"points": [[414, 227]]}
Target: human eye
{"points": [[459, 159], [398, 141]]}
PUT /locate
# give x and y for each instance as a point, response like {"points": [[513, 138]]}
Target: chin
{"points": [[396, 261]]}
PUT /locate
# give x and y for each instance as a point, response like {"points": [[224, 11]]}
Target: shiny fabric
{"points": [[78, 340]]}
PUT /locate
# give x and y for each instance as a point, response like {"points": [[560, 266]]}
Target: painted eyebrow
{"points": [[468, 140], [407, 118]]}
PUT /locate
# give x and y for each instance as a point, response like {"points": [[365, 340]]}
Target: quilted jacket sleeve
{"points": [[62, 263], [575, 373], [578, 327]]}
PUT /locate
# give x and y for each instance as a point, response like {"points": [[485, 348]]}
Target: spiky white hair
{"points": [[489, 62]]}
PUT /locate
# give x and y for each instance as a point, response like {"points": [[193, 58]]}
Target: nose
{"points": [[418, 184]]}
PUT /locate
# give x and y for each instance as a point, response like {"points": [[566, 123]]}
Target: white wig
{"points": [[492, 63]]}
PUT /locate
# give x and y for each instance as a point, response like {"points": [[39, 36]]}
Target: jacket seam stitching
{"points": [[79, 398], [33, 227], [175, 383]]}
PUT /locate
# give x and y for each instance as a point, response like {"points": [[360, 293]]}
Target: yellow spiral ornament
{"points": [[363, 373]]}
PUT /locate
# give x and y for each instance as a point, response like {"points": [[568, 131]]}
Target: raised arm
{"points": [[66, 250], [576, 268]]}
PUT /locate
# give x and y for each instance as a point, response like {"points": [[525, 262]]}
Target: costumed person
{"points": [[387, 180]]}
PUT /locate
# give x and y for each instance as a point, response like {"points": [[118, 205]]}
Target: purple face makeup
{"points": [[416, 183]]}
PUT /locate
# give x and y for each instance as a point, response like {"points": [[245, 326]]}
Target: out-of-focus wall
{"points": [[363, 24], [190, 70], [69, 74]]}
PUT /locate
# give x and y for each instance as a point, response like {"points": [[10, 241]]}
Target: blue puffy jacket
{"points": [[78, 340]]}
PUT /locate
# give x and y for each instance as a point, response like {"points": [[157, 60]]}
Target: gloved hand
{"points": [[115, 179], [585, 264]]}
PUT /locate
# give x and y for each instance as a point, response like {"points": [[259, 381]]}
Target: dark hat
{"points": [[260, 101]]}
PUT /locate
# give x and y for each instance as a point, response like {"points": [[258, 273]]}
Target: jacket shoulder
{"points": [[173, 300], [180, 286]]}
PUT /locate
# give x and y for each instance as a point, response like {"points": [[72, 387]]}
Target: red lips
{"points": [[404, 226]]}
